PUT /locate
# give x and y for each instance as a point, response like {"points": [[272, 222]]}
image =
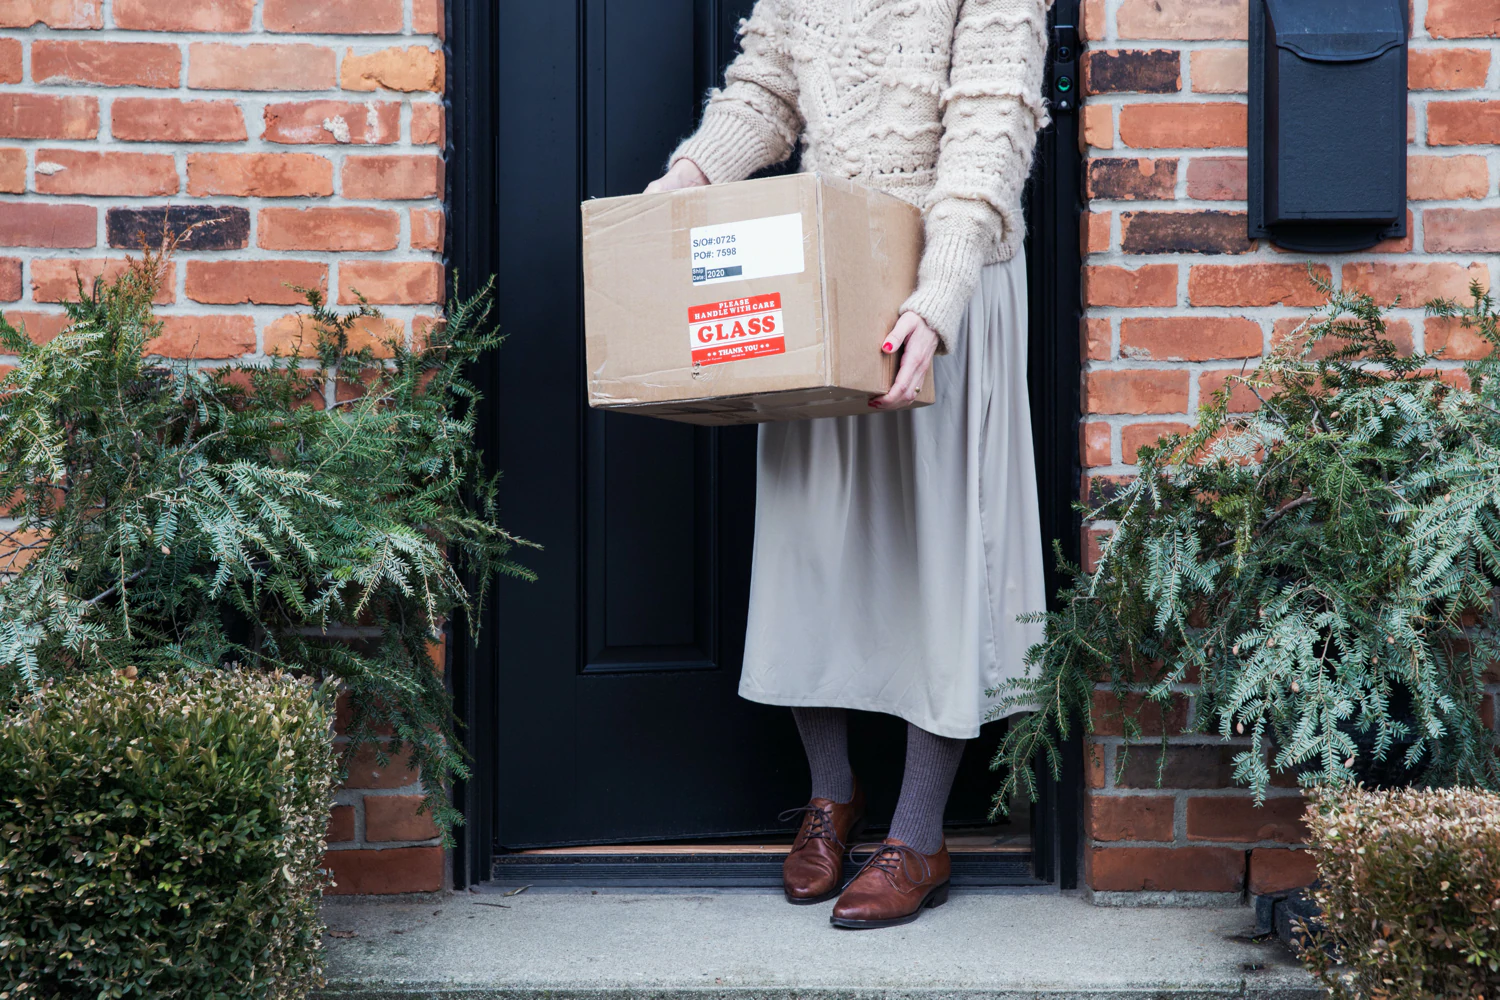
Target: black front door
{"points": [[601, 700]]}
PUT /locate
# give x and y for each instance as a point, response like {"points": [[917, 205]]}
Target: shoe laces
{"points": [[817, 822], [892, 858]]}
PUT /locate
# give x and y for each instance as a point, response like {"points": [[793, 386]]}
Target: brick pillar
{"points": [[307, 138], [1177, 297]]}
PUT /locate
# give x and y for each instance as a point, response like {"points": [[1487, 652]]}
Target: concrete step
{"points": [[751, 945]]}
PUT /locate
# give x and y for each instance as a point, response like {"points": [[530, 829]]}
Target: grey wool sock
{"points": [[825, 737], [931, 763]]}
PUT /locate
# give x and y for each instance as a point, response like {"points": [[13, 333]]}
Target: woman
{"points": [[894, 551]]}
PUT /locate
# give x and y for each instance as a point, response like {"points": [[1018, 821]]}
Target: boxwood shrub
{"points": [[163, 838], [1410, 894]]}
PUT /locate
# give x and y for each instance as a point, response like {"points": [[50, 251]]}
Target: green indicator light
{"points": [[1065, 83]]}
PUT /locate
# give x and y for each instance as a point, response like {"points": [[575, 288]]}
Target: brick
{"points": [[204, 337], [1136, 391], [427, 17], [1457, 342], [260, 175], [1093, 547], [1414, 283], [1277, 869], [1207, 232], [1238, 818], [1186, 20], [1220, 71], [1185, 767], [1094, 444], [1094, 761], [393, 177], [1398, 331], [110, 64], [196, 227], [46, 116], [1208, 125], [428, 124], [1132, 71], [1447, 69], [11, 51], [408, 69], [1130, 817], [395, 817], [1463, 123], [56, 279], [1463, 19], [324, 122], [1241, 399], [40, 327], [82, 171], [391, 282], [1094, 235], [1153, 719], [184, 15], [1446, 178], [1461, 230], [1130, 178], [1166, 869], [10, 279], [333, 17], [365, 771], [335, 229], [43, 224], [1134, 437], [217, 66], [295, 335], [53, 13], [12, 171], [262, 282], [1151, 285], [1254, 285], [1096, 339], [1092, 22], [1098, 130], [340, 825], [1218, 178], [1189, 338], [158, 119], [1098, 488], [389, 871], [1399, 244], [427, 229]]}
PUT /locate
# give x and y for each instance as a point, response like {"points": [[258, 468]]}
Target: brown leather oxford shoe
{"points": [[813, 869], [893, 887]]}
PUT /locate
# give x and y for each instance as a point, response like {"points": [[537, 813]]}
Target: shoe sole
{"points": [[854, 832], [937, 897]]}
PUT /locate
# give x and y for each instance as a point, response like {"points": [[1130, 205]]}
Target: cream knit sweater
{"points": [[934, 101]]}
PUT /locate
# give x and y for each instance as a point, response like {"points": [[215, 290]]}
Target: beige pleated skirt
{"points": [[894, 551]]}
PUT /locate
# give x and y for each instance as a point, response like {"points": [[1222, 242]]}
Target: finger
{"points": [[654, 186], [902, 392], [903, 329]]}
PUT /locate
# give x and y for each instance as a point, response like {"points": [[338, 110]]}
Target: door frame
{"points": [[1054, 211]]}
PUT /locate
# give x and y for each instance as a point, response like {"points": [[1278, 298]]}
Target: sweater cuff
{"points": [[726, 146], [949, 273]]}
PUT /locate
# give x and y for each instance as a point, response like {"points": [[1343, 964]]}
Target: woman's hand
{"points": [[683, 174], [916, 361]]}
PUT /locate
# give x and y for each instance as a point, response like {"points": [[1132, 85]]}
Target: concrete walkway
{"points": [[613, 945]]}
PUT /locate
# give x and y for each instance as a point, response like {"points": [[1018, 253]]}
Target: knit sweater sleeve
{"points": [[753, 121], [992, 109]]}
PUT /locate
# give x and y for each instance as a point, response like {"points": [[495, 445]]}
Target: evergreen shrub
{"points": [[161, 838], [1321, 567], [1410, 894], [170, 516]]}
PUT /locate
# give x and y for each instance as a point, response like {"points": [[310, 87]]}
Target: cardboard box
{"points": [[747, 302]]}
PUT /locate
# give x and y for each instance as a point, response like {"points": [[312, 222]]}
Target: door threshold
{"points": [[750, 866]]}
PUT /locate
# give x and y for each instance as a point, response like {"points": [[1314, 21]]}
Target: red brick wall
{"points": [[308, 135], [1176, 296]]}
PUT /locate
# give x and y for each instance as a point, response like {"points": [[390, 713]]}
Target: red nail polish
{"points": [[886, 348]]}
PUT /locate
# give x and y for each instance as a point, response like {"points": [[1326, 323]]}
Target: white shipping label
{"points": [[754, 248]]}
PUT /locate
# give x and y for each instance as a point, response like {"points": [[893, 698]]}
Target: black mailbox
{"points": [[1327, 122]]}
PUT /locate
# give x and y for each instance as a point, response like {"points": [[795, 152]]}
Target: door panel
{"points": [[606, 691]]}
